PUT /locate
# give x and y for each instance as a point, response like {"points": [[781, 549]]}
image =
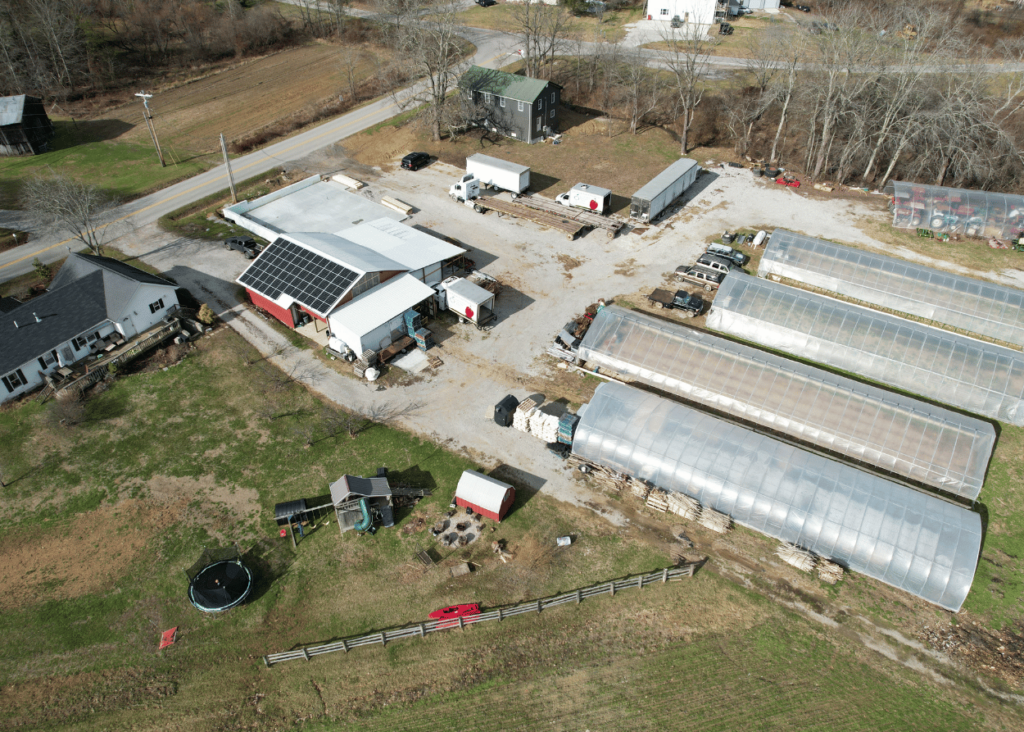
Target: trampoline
{"points": [[219, 581]]}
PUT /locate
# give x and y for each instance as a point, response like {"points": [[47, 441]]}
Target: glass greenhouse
{"points": [[975, 376], [959, 302], [891, 431], [908, 539], [955, 210]]}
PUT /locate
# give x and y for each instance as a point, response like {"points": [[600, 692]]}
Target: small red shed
{"points": [[486, 496]]}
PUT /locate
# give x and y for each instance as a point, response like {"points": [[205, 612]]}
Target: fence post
{"points": [[344, 644], [266, 662], [611, 588], [640, 582], [305, 653], [501, 615], [423, 631], [538, 605], [383, 639], [462, 625], [664, 575], [579, 596]]}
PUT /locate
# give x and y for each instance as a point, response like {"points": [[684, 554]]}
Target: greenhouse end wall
{"points": [[910, 540], [978, 377], [959, 302], [894, 432], [955, 210]]}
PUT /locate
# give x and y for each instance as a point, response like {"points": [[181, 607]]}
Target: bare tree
{"points": [[542, 29], [72, 206], [640, 87], [688, 52], [432, 51], [782, 88]]}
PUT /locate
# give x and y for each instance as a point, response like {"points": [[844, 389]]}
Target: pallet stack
{"points": [[640, 489], [682, 505], [799, 558], [525, 410], [657, 500], [567, 427], [544, 426]]}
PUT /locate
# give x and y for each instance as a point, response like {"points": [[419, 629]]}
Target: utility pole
{"points": [[227, 164], [152, 129]]}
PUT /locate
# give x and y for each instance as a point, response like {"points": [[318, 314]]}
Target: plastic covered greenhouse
{"points": [[975, 376], [891, 431], [959, 302], [908, 539], [955, 210]]}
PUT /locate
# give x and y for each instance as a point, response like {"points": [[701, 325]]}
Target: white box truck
{"points": [[591, 198], [499, 174], [468, 301], [651, 201]]}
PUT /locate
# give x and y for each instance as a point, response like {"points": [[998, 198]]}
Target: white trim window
{"points": [[538, 123], [502, 99], [552, 97], [156, 307], [487, 97], [552, 114], [664, 11], [48, 360], [14, 381], [520, 106]]}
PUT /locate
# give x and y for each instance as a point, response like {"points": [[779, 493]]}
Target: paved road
{"points": [[492, 50]]}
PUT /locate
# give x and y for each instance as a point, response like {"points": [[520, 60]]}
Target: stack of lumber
{"points": [[829, 571], [799, 558], [544, 426], [396, 205], [348, 181], [525, 410], [567, 427], [639, 488], [712, 519], [682, 505], [657, 500]]}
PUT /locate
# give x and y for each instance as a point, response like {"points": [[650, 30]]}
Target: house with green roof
{"points": [[512, 105]]}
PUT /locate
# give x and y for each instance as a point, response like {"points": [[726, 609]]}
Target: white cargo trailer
{"points": [[499, 173], [654, 198], [591, 198], [468, 301]]}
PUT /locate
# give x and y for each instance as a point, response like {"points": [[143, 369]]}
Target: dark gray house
{"points": [[515, 106], [24, 127]]}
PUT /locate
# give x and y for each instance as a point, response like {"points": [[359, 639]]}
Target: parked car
{"points": [[680, 300], [676, 22], [725, 29], [709, 279], [803, 8], [244, 244], [715, 262], [721, 250], [415, 160], [486, 3]]}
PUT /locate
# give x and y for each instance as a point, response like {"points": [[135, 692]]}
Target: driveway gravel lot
{"points": [[548, 281]]}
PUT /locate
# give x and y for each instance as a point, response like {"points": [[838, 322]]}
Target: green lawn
{"points": [[86, 151]]}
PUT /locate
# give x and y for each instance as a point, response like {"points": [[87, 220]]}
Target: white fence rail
{"points": [[420, 630]]}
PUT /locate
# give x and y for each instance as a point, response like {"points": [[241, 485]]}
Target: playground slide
{"points": [[367, 520]]}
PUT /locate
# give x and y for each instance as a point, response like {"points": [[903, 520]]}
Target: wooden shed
{"points": [[486, 496], [24, 127]]}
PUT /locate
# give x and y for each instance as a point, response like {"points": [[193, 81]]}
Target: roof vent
{"points": [[38, 319], [16, 324]]}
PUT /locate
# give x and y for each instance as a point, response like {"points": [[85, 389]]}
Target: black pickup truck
{"points": [[690, 305]]}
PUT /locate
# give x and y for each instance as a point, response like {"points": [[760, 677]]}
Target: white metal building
{"points": [[693, 12], [374, 319], [420, 253]]}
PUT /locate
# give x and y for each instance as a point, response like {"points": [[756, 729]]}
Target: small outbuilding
{"points": [[24, 127], [359, 503], [485, 495]]}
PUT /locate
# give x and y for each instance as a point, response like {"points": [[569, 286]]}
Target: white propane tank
{"points": [[759, 239], [372, 374]]}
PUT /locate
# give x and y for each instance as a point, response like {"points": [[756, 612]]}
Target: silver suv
{"points": [[709, 279], [717, 263]]}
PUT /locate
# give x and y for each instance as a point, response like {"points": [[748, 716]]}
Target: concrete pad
{"points": [[325, 207], [315, 331], [414, 361]]}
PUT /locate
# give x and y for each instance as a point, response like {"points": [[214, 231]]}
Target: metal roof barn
{"points": [[357, 321], [485, 495], [908, 539], [955, 210], [893, 284], [975, 376], [891, 431], [411, 248]]}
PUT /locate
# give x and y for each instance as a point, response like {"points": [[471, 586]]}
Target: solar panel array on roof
{"points": [[312, 280], [908, 539], [892, 431], [960, 302], [970, 374]]}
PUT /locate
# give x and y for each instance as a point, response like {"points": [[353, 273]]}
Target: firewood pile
{"points": [[498, 548], [682, 505], [714, 520], [829, 571], [799, 558]]}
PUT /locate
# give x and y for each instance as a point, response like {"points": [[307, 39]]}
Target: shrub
{"points": [[43, 271], [206, 315]]}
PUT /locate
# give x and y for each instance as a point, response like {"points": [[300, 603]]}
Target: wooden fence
{"points": [[420, 630]]}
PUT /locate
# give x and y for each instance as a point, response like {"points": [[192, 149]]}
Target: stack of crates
{"points": [[424, 338], [413, 322], [567, 428]]}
